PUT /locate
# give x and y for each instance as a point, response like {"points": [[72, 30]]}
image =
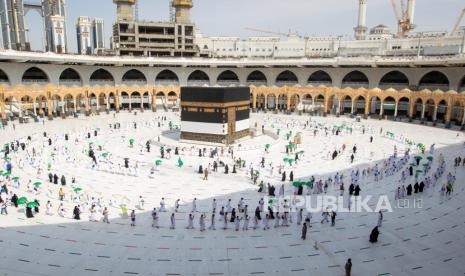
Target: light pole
{"points": [[419, 43]]}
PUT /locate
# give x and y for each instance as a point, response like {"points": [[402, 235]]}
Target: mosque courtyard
{"points": [[424, 234]]}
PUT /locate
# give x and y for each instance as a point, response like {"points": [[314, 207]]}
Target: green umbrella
{"points": [[158, 162], [32, 204], [285, 159], [292, 145], [297, 184], [419, 171], [37, 184], [418, 157], [420, 145], [180, 163], [6, 174], [7, 158], [131, 141], [290, 160], [267, 146], [309, 183], [430, 158], [22, 200], [15, 178], [77, 190], [105, 154]]}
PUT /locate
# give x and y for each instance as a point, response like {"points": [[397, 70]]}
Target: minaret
{"points": [[183, 11], [361, 29], [125, 10]]}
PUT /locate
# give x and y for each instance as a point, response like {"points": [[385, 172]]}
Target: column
{"points": [[34, 106], [74, 104], [2, 110], [381, 110], [49, 108], [142, 102], [288, 103], [63, 107], [435, 114], [254, 101], [352, 108], [86, 105], [338, 106], [108, 102], [395, 111], [423, 109], [154, 102], [41, 111], [98, 104], [463, 117], [266, 102], [367, 107], [411, 107], [130, 105], [117, 102]]}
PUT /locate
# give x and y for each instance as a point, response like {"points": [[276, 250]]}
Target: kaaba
{"points": [[218, 115]]}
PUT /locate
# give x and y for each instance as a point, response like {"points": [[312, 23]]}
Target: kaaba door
{"points": [[231, 123]]}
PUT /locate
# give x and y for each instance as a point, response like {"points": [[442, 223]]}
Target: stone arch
{"points": [[457, 112], [134, 76], [429, 109], [346, 104], [125, 100], [167, 77], [282, 101], [355, 79], [394, 79], [172, 98], [434, 80], [271, 101], [101, 76], [319, 104], [403, 107], [68, 104], [257, 77], [198, 77], [320, 77], [286, 77], [389, 106], [112, 101], [136, 100], [441, 112], [294, 102], [375, 105], [4, 79], [35, 75], [261, 101], [70, 76], [359, 105], [417, 108], [227, 77]]}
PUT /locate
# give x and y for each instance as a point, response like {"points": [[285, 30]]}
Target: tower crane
{"points": [[404, 17], [456, 26]]}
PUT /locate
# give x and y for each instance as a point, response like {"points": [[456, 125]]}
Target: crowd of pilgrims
{"points": [[238, 216]]}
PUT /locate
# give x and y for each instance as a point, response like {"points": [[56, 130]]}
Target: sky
{"points": [[231, 17]]}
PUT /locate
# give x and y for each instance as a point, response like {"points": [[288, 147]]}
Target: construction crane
{"points": [[458, 22], [404, 17], [271, 32]]}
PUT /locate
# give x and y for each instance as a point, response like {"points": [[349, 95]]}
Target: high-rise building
{"points": [[84, 37], [124, 10], [12, 21], [148, 38], [98, 35], [55, 25]]}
